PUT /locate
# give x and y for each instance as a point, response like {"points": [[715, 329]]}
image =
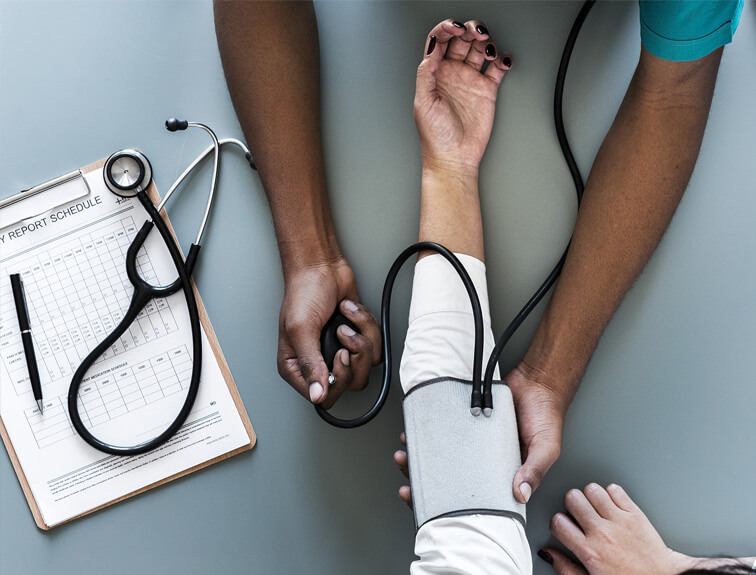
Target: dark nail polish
{"points": [[546, 556], [491, 51], [431, 45], [482, 29], [458, 24], [507, 61]]}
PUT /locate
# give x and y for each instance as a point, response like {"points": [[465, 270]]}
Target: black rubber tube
{"points": [[476, 401], [143, 293], [577, 179]]}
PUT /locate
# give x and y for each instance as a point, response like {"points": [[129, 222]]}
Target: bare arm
{"points": [[272, 64], [637, 180]]}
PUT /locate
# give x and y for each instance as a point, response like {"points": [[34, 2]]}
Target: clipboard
{"points": [[210, 333]]}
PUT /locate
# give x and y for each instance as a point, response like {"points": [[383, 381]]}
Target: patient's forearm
{"points": [[272, 64], [636, 183], [450, 210]]}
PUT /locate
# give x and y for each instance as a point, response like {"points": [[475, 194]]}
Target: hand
{"points": [[454, 101], [610, 535], [540, 420], [312, 294]]}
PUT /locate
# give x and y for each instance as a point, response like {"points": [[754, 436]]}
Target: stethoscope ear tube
{"points": [[476, 402]]}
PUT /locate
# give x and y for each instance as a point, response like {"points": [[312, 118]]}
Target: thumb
{"points": [[426, 80], [542, 454], [306, 343], [561, 564]]}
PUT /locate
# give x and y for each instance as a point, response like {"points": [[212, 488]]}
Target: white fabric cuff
{"points": [[438, 288]]}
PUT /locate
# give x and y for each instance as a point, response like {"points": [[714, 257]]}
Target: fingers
{"points": [[400, 458], [342, 373], [438, 38], [480, 52], [621, 499], [600, 500], [402, 461], [498, 68], [367, 325], [561, 564], [542, 453], [364, 346], [406, 495], [460, 45], [568, 534], [300, 362], [580, 508]]}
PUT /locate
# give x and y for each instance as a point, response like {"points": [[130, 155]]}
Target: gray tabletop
{"points": [[666, 408]]}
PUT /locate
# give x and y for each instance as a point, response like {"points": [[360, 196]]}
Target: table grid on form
{"points": [[76, 295], [113, 394]]}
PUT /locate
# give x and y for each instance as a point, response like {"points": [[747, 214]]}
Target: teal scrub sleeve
{"points": [[685, 30]]}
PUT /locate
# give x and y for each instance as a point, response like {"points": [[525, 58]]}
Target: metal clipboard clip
{"points": [[30, 203]]}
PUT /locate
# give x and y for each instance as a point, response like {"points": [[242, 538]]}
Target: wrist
{"points": [[555, 360], [678, 563], [526, 375], [449, 172], [308, 249]]}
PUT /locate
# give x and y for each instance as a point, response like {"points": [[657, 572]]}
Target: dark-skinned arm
{"points": [[637, 181], [272, 65]]}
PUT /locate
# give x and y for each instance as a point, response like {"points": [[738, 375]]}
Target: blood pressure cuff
{"points": [[460, 464]]}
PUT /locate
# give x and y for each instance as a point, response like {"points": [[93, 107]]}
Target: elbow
{"points": [[662, 84]]}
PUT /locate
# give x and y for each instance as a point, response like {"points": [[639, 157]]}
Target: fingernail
{"points": [[482, 29], [347, 331], [458, 24], [546, 556], [431, 45], [526, 490], [316, 391], [491, 51], [507, 61], [345, 359], [349, 305]]}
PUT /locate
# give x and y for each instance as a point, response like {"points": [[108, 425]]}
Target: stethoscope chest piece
{"points": [[127, 172]]}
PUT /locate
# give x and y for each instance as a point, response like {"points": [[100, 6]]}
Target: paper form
{"points": [[72, 262]]}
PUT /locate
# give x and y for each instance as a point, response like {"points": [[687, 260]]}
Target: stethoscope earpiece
{"points": [[174, 124], [127, 172]]}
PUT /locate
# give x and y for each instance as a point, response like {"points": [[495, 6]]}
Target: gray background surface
{"points": [[666, 408]]}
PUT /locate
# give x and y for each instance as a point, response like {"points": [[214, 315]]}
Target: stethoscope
{"points": [[128, 174], [481, 400]]}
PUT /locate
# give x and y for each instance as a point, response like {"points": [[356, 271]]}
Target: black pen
{"points": [[26, 337]]}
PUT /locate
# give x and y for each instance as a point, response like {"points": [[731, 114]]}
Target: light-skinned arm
{"points": [[272, 65], [637, 181]]}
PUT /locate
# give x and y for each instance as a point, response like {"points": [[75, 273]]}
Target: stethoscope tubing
{"points": [[386, 334], [143, 293]]}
